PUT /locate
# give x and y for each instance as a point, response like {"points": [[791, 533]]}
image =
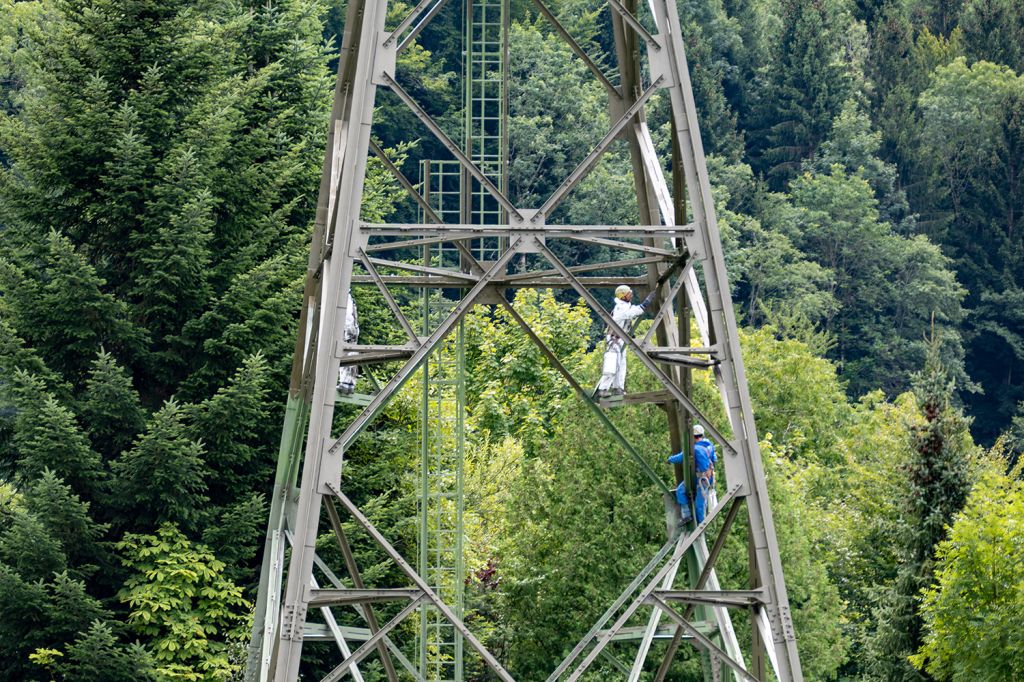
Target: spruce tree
{"points": [[992, 31], [937, 478], [38, 614], [163, 476], [803, 89], [67, 520], [46, 436], [229, 426], [58, 304], [109, 407], [98, 656]]}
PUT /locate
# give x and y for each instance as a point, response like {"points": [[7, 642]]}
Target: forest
{"points": [[158, 171]]}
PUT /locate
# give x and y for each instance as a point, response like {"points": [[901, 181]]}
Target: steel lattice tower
{"points": [[677, 237]]}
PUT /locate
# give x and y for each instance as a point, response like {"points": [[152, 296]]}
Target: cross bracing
{"points": [[681, 254]]}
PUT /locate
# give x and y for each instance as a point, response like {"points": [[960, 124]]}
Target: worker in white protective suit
{"points": [[613, 372], [348, 374]]}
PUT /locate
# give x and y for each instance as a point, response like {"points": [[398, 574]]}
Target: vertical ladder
{"points": [[441, 531]]}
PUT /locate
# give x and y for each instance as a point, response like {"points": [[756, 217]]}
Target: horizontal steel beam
{"points": [[737, 598], [464, 231], [590, 267], [335, 597], [539, 283], [627, 246], [369, 357], [684, 360], [699, 638], [637, 632]]}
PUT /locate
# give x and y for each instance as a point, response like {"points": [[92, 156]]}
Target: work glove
{"points": [[647, 301]]}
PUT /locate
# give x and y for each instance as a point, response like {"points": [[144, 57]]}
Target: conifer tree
{"points": [[27, 546], [97, 656], [163, 476], [805, 85], [938, 487], [229, 426], [37, 614], [15, 355], [109, 407], [68, 522], [58, 304], [46, 436], [992, 31]]}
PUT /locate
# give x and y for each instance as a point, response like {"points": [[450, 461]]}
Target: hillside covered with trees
{"points": [[158, 169]]}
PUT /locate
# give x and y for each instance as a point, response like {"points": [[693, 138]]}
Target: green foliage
{"points": [[890, 290], [973, 149], [37, 614], [68, 522], [46, 436], [180, 600], [163, 477], [797, 396], [515, 392], [938, 487], [110, 408], [803, 89], [992, 30], [97, 656], [234, 447], [972, 615], [57, 303], [766, 269]]}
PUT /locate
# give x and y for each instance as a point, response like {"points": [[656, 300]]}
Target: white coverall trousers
{"points": [[348, 374], [613, 370]]}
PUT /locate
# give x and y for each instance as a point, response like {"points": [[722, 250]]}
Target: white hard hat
{"points": [[698, 430], [622, 290]]}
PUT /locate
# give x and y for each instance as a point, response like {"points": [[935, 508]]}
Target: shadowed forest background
{"points": [[158, 168]]}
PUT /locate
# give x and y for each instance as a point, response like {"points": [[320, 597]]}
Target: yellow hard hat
{"points": [[622, 290]]}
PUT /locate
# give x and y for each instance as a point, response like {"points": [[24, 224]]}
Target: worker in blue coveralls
{"points": [[705, 458]]}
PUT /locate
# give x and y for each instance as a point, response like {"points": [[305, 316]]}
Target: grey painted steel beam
{"points": [[350, 597], [465, 230], [670, 301], [428, 594], [407, 41], [595, 155], [382, 398], [735, 598], [578, 50], [590, 267], [557, 364], [629, 246], [634, 23], [340, 237], [631, 342], [538, 283], [371, 643], [357, 580], [596, 630], [403, 321], [703, 641], [732, 373], [682, 545], [453, 148], [404, 25]]}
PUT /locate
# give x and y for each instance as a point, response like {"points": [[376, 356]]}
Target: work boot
{"points": [[603, 393], [617, 392]]}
